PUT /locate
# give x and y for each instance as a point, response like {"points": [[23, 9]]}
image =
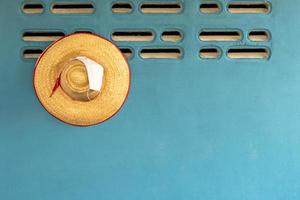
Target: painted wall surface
{"points": [[191, 128]]}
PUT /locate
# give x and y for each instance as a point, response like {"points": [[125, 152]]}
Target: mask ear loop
{"points": [[88, 95]]}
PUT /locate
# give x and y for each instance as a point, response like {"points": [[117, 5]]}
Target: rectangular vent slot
{"points": [[209, 8], [88, 32], [133, 36], [127, 52], [171, 36], [32, 53], [220, 35], [161, 53], [248, 53], [73, 8], [33, 8], [121, 7], [42, 36], [209, 53], [249, 7], [161, 7], [259, 36]]}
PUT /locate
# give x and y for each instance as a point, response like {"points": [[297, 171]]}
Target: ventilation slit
{"points": [[83, 31], [121, 7], [248, 53], [249, 7], [130, 36], [220, 35], [171, 36], [32, 53], [209, 53], [73, 8], [259, 36], [161, 53], [42, 36], [127, 52], [161, 7], [208, 8], [33, 8]]}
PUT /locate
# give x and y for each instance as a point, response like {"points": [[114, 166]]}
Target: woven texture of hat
{"points": [[116, 80]]}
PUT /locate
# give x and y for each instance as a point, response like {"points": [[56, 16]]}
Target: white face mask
{"points": [[95, 73]]}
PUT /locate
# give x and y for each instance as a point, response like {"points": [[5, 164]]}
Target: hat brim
{"points": [[116, 82]]}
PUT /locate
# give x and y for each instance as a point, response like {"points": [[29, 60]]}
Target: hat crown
{"points": [[77, 77], [75, 82]]}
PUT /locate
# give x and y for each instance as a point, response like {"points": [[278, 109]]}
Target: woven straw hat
{"points": [[67, 73]]}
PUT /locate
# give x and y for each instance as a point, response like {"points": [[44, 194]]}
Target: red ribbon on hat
{"points": [[56, 86]]}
